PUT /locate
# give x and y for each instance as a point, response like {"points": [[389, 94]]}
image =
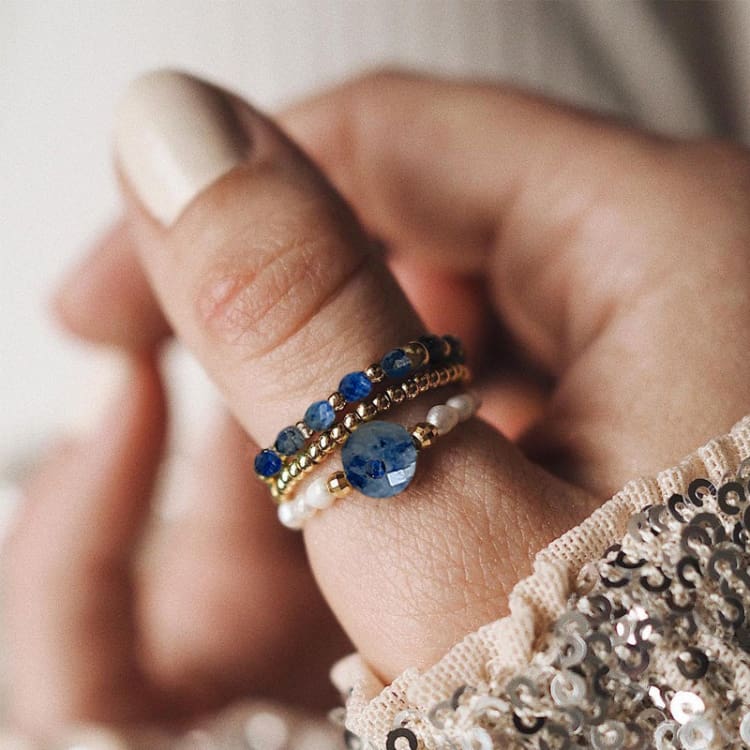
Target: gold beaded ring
{"points": [[398, 364], [328, 441]]}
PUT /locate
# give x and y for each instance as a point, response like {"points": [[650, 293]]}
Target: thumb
{"points": [[265, 274]]}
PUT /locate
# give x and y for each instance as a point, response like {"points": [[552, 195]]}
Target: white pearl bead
{"points": [[317, 495], [465, 404], [443, 417], [289, 516]]}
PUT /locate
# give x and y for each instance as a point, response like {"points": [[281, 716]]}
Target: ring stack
{"points": [[379, 458]]}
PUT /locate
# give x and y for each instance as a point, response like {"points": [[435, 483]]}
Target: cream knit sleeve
{"points": [[630, 632]]}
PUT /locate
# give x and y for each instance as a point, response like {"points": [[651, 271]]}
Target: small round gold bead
{"points": [[381, 402], [418, 353], [396, 394], [339, 433], [294, 469], [410, 388], [285, 475], [423, 382], [275, 491], [304, 429], [444, 377], [424, 435], [375, 373], [325, 442], [366, 411], [352, 420], [305, 462], [338, 485], [434, 378], [315, 453], [337, 401]]}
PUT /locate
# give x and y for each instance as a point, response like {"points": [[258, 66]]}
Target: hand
{"points": [[614, 260]]}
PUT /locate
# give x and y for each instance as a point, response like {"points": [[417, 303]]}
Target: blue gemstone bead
{"points": [[355, 386], [320, 416], [289, 441], [396, 363], [267, 464], [379, 459]]}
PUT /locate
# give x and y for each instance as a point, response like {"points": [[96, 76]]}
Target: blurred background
{"points": [[680, 68]]}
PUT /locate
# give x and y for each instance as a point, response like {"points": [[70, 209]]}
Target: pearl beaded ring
{"points": [[379, 460]]}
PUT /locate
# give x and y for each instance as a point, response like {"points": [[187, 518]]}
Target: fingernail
{"points": [[174, 136]]}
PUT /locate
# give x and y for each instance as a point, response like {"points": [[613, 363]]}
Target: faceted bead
{"points": [[457, 349], [397, 363], [355, 386], [443, 417], [320, 416], [379, 459], [267, 464], [435, 346], [289, 441]]}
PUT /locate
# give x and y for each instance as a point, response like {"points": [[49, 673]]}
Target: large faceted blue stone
{"points": [[396, 363], [379, 459]]}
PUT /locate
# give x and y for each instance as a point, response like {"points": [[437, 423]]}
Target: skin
{"points": [[600, 275]]}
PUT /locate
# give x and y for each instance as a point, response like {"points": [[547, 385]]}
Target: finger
{"points": [[69, 605], [266, 275], [106, 298], [217, 624], [592, 235]]}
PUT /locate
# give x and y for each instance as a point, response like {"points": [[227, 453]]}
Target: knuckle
{"points": [[257, 294]]}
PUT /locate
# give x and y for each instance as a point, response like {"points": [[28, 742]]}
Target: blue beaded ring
{"points": [[396, 365]]}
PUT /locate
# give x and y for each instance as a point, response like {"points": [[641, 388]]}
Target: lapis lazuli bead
{"points": [[267, 464], [457, 348], [435, 347], [355, 386], [379, 459], [289, 441], [396, 363], [320, 416]]}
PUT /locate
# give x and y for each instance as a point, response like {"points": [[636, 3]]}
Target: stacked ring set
{"points": [[379, 458]]}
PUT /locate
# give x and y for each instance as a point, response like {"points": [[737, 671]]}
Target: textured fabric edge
{"points": [[505, 646]]}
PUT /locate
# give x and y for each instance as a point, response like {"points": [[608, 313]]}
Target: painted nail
{"points": [[174, 136]]}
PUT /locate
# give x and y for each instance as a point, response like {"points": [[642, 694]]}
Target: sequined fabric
{"points": [[651, 647]]}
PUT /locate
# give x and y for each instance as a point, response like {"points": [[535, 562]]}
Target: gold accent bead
{"points": [[367, 411], [304, 429], [338, 485], [275, 492], [381, 402], [294, 469], [352, 420], [325, 442], [337, 401], [315, 453], [418, 353], [339, 433], [410, 388], [396, 394], [305, 462], [285, 476], [424, 435], [423, 382], [444, 377], [375, 373], [434, 378]]}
